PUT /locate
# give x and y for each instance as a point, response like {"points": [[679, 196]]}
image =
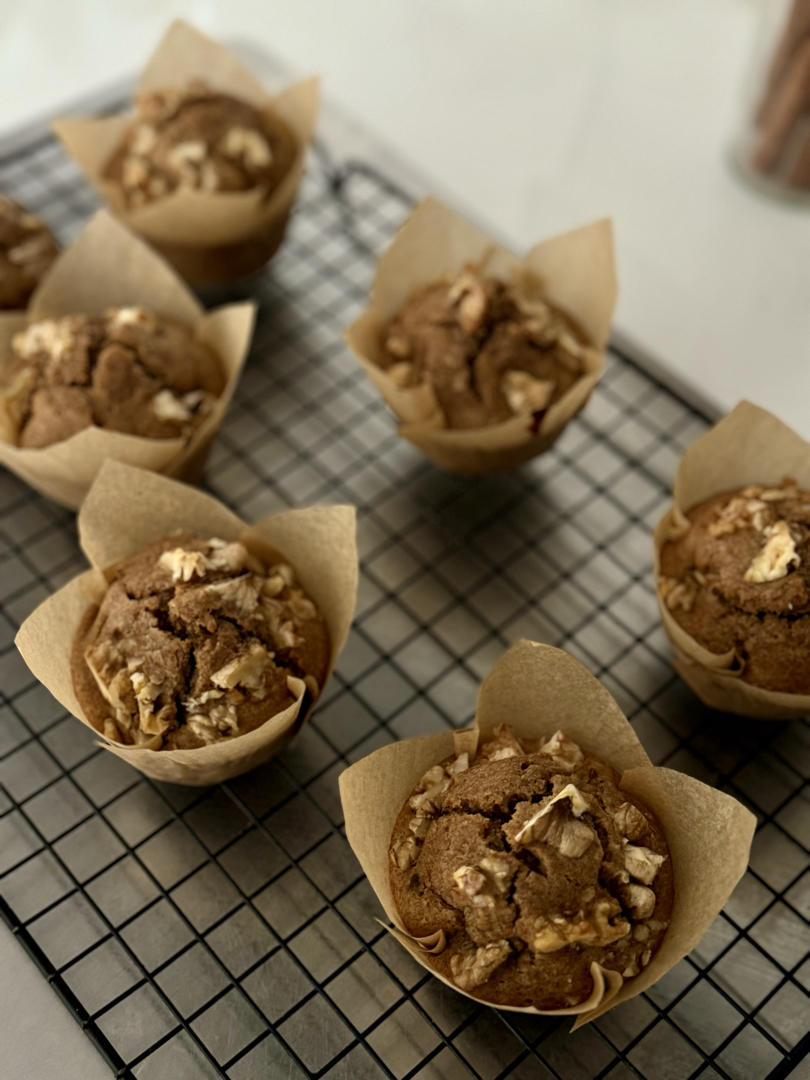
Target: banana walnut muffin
{"points": [[127, 370], [738, 578], [194, 138], [193, 642], [27, 250], [491, 351], [528, 863]]}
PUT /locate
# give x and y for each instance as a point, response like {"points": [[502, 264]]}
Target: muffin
{"points": [[484, 356], [731, 562], [194, 138], [207, 167], [738, 579], [128, 370], [533, 864], [27, 249], [193, 642], [546, 867], [489, 349], [114, 358]]}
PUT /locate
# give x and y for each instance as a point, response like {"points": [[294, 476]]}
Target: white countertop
{"points": [[533, 116]]}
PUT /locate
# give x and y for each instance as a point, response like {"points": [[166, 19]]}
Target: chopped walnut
{"points": [[630, 820], [593, 928], [503, 744], [167, 406], [183, 565], [469, 296], [777, 556], [248, 670], [472, 968], [565, 751], [740, 513], [524, 393], [678, 594], [483, 883], [641, 863], [220, 721], [241, 142], [404, 854], [242, 592], [536, 827], [639, 900], [52, 336]]}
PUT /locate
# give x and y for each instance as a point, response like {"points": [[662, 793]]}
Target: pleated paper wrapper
{"points": [[575, 271], [749, 446], [105, 267], [126, 510], [538, 689], [210, 238]]}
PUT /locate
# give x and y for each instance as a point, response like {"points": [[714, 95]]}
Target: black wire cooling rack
{"points": [[229, 932]]}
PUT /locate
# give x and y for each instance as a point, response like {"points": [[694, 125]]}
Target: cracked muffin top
{"points": [[194, 138], [127, 370], [529, 863], [193, 642], [737, 577], [27, 249], [491, 351]]}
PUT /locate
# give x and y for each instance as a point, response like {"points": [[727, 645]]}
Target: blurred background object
{"points": [[775, 150]]}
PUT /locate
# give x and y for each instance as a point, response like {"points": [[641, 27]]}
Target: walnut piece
{"points": [[639, 900], [241, 142], [401, 374], [641, 863], [567, 755], [524, 393], [740, 512], [777, 556], [593, 928], [630, 821], [678, 593], [425, 802], [472, 968], [468, 295], [483, 883], [246, 670], [183, 565]]}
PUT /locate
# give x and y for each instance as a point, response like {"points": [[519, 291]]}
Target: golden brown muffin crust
{"points": [[739, 578], [490, 351], [197, 139], [193, 642], [27, 249], [127, 370], [534, 864]]}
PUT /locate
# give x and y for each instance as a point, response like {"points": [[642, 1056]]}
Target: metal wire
{"points": [[229, 932]]}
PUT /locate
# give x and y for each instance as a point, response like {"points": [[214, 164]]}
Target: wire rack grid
{"points": [[229, 932]]}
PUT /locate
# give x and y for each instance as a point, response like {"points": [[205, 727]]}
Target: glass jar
{"points": [[774, 150]]}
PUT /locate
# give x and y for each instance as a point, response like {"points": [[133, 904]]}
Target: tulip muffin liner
{"points": [[128, 508], [575, 272], [210, 238], [538, 689], [106, 266], [749, 446]]}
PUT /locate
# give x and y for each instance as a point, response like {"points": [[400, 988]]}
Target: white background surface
{"points": [[533, 115]]}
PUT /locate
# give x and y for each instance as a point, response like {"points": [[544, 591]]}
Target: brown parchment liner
{"points": [[576, 271], [210, 238], [538, 689], [749, 446], [128, 508], [106, 266]]}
